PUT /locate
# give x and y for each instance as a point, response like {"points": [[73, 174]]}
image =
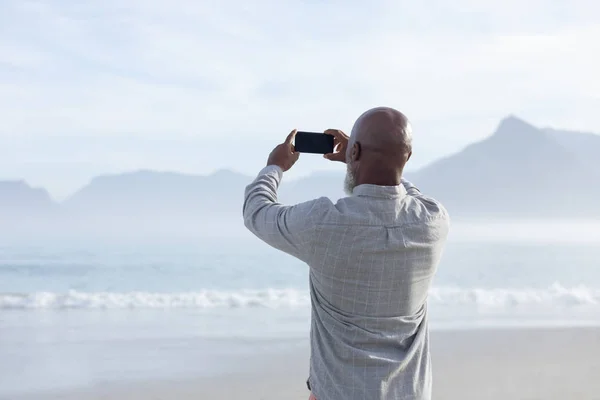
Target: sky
{"points": [[98, 87]]}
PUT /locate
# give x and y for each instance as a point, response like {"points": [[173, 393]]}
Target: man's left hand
{"points": [[284, 155]]}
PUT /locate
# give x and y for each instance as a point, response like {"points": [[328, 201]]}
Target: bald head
{"points": [[379, 147]]}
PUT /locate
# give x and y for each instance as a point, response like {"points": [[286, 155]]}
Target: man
{"points": [[372, 257]]}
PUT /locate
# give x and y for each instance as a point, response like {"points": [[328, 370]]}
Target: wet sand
{"points": [[478, 364]]}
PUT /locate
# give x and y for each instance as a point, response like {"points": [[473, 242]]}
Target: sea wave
{"points": [[555, 295], [267, 298], [504, 298]]}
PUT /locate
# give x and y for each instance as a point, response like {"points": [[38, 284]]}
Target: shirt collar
{"points": [[384, 192]]}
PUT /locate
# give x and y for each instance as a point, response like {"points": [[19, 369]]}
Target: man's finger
{"points": [[290, 138], [334, 157], [336, 133]]}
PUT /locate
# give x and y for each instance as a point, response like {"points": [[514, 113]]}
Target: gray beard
{"points": [[349, 181]]}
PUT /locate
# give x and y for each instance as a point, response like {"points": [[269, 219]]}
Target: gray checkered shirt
{"points": [[372, 257]]}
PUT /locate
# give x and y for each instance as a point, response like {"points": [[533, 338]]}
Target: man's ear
{"points": [[356, 152], [409, 154]]}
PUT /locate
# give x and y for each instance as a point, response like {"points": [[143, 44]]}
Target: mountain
{"points": [[23, 207], [328, 184], [18, 197], [144, 192], [584, 145], [150, 201], [520, 171]]}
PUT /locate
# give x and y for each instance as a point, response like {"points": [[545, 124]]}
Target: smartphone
{"points": [[313, 142]]}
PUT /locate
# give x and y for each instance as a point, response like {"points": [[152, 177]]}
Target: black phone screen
{"points": [[313, 142]]}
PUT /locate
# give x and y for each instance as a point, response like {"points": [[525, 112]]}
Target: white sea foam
{"points": [[551, 297], [268, 298]]}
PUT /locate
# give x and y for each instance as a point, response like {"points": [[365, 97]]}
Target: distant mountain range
{"points": [[518, 172]]}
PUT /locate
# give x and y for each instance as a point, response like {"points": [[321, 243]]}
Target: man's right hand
{"points": [[340, 144]]}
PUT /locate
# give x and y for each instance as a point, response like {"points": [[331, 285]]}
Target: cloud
{"points": [[215, 70]]}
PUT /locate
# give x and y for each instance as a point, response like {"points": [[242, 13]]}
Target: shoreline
{"points": [[504, 363]]}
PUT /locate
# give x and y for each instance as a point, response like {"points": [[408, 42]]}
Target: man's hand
{"points": [[284, 155], [340, 144]]}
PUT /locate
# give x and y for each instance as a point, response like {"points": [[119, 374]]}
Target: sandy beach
{"points": [[561, 363]]}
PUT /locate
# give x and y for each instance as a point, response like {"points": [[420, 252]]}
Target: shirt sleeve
{"points": [[290, 229]]}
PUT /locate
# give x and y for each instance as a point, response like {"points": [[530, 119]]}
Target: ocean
{"points": [[81, 313]]}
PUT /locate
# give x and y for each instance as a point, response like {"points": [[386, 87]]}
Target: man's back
{"points": [[373, 257]]}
